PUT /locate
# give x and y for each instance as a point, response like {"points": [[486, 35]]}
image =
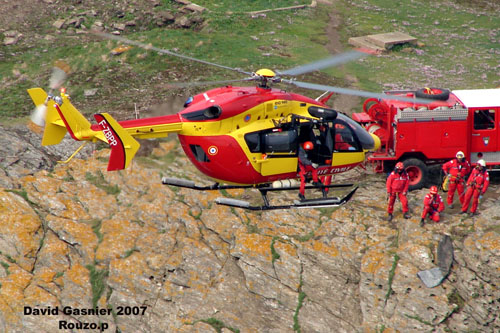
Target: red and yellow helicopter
{"points": [[241, 137]]}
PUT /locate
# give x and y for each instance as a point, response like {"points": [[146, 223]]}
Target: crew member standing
{"points": [[456, 169], [433, 205], [477, 184], [305, 166], [397, 185]]}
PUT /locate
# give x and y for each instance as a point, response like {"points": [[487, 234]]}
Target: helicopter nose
{"points": [[376, 142]]}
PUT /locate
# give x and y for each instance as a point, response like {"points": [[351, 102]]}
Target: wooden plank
{"points": [[388, 40], [363, 42]]}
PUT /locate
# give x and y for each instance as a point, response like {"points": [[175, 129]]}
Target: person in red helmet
{"points": [[456, 170], [397, 185], [433, 205], [305, 166], [477, 184]]}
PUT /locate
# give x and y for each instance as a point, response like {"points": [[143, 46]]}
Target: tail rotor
{"points": [[58, 77]]}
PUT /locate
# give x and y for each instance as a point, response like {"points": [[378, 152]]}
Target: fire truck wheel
{"points": [[417, 172], [433, 93]]}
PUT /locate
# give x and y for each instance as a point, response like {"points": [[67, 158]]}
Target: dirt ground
{"points": [[345, 103]]}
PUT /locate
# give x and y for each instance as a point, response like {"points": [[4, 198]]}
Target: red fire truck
{"points": [[421, 135]]}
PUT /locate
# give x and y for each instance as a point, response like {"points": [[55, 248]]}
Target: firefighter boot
{"points": [[406, 215], [301, 197], [422, 222], [389, 218]]}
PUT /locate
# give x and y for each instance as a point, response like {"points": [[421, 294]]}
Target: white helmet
{"points": [[460, 154], [481, 163]]}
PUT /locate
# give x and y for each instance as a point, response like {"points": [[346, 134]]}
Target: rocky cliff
{"points": [[153, 258]]}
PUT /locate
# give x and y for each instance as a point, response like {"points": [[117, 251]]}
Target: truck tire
{"points": [[417, 172], [433, 93]]}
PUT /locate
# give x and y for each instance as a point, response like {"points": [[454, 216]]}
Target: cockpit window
{"points": [[212, 112], [344, 138], [364, 138]]}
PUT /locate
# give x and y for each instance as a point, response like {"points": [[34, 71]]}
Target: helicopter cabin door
{"points": [[346, 148], [279, 150]]}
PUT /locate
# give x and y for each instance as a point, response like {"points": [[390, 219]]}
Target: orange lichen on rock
{"points": [[20, 228], [321, 246], [79, 275], [12, 298], [77, 233], [374, 261], [490, 241], [119, 236], [254, 245]]}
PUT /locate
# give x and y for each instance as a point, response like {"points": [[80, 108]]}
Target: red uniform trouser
{"points": [[326, 180], [472, 193], [304, 169], [459, 186], [392, 199], [433, 214]]}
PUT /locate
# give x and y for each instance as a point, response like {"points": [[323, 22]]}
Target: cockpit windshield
{"points": [[365, 139]]}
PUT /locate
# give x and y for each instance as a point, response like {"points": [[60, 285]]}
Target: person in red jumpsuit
{"points": [[477, 184], [397, 185], [457, 170], [305, 166], [433, 205]]}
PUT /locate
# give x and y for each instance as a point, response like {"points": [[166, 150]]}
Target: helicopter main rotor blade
{"points": [[207, 83], [164, 51], [355, 92], [325, 63]]}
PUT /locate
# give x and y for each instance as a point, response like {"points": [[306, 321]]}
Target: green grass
{"points": [[5, 266], [217, 325], [275, 255], [459, 50], [300, 302], [97, 282], [418, 318], [392, 272], [96, 228], [99, 182], [226, 40], [459, 46]]}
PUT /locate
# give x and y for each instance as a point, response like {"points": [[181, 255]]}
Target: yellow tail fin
{"points": [[123, 145], [62, 117], [55, 129]]}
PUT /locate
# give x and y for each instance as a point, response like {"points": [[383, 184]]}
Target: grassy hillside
{"points": [[459, 50], [460, 42]]}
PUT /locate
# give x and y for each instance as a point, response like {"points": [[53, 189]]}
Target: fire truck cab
{"points": [[421, 135]]}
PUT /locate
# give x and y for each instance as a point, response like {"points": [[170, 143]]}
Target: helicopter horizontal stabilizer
{"points": [[123, 145]]}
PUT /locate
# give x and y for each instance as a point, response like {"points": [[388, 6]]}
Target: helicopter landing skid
{"points": [[308, 203], [190, 184], [264, 189]]}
